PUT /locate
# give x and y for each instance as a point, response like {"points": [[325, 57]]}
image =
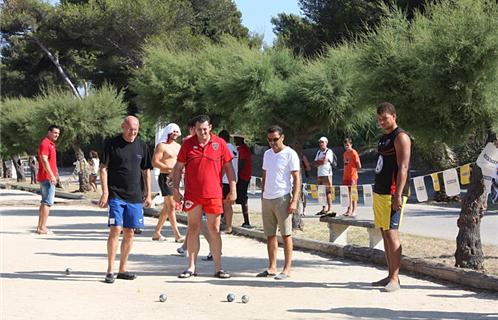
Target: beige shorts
{"points": [[275, 213]]}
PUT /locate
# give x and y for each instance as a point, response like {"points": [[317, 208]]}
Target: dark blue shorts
{"points": [[125, 214]]}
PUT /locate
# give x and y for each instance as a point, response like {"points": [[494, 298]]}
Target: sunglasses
{"points": [[273, 139]]}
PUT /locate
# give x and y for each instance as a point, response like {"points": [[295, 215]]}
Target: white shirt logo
{"points": [[380, 164]]}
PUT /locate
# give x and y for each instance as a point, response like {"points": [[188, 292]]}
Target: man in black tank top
{"points": [[391, 189]]}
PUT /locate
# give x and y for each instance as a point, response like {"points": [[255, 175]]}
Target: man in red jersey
{"points": [[205, 157], [47, 176]]}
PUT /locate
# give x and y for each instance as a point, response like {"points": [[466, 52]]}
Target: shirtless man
{"points": [[165, 159]]}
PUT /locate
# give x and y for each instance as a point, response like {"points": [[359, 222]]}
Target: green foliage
{"points": [[441, 71], [25, 121]]}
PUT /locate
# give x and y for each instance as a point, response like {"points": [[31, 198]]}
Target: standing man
{"points": [[227, 207], [164, 158], [244, 176], [280, 177], [47, 176], [323, 160], [391, 189], [352, 164], [125, 160], [205, 157]]}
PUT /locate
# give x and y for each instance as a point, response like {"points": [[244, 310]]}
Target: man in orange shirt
{"points": [[351, 165]]}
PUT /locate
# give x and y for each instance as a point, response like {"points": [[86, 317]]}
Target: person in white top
{"points": [[323, 160], [94, 169], [280, 194], [227, 207]]}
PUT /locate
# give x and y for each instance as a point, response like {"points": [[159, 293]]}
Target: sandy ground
{"points": [[34, 284]]}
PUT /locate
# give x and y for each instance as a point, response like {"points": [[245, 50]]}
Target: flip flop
{"points": [[222, 274], [160, 238], [282, 276], [187, 274], [180, 240], [265, 274]]}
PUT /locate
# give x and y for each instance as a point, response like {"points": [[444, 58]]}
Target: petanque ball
{"points": [[230, 297], [68, 271], [245, 299], [163, 297]]}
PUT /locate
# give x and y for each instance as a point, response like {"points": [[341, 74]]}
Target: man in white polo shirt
{"points": [[323, 160], [281, 176]]}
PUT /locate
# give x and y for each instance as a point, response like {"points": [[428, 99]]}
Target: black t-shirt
{"points": [[125, 162]]}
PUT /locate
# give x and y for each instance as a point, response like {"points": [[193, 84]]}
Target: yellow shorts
{"points": [[384, 217]]}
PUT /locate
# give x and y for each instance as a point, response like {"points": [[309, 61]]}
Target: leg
{"points": [[213, 224], [228, 212], [126, 245], [272, 247], [245, 213], [112, 247], [288, 247], [194, 221], [394, 253], [169, 204], [161, 220], [43, 212]]}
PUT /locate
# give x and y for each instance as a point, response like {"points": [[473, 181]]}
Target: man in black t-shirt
{"points": [[126, 158]]}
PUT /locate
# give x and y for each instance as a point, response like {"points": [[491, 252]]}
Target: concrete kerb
{"points": [[438, 271], [60, 194]]}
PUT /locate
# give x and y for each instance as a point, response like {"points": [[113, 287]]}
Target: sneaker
{"points": [[109, 278], [320, 213], [181, 252], [247, 226], [137, 231]]}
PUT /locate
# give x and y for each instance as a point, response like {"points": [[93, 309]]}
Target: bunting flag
{"points": [[314, 191], [435, 182], [322, 195], [465, 174], [368, 195], [344, 193], [420, 189], [354, 192], [451, 183]]}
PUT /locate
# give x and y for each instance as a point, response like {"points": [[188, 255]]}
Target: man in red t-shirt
{"points": [[47, 176], [352, 164], [244, 176], [205, 157]]}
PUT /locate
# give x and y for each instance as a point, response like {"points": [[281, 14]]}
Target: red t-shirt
{"points": [[350, 158], [245, 154], [204, 166], [46, 148]]}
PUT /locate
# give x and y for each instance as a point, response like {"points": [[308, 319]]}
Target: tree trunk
{"points": [[83, 175], [469, 250], [21, 177], [58, 66]]}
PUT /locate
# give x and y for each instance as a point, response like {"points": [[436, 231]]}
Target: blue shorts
{"points": [[47, 193], [125, 214]]}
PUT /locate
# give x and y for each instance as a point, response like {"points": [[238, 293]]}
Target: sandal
{"points": [[222, 274], [180, 240], [265, 274], [160, 238], [126, 275], [187, 274]]}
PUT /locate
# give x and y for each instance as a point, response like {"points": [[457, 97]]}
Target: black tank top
{"points": [[387, 166]]}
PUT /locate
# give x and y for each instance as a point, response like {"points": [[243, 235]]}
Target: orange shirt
{"points": [[350, 158]]}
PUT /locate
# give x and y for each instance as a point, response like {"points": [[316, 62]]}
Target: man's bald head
{"points": [[130, 128]]}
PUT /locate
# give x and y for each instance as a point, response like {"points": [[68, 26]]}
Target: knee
{"points": [[194, 228]]}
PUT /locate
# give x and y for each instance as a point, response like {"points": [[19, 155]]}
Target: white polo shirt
{"points": [[278, 167]]}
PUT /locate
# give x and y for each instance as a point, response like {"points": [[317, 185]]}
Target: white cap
{"points": [[324, 139]]}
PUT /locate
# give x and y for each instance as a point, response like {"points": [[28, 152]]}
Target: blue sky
{"points": [[256, 14]]}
